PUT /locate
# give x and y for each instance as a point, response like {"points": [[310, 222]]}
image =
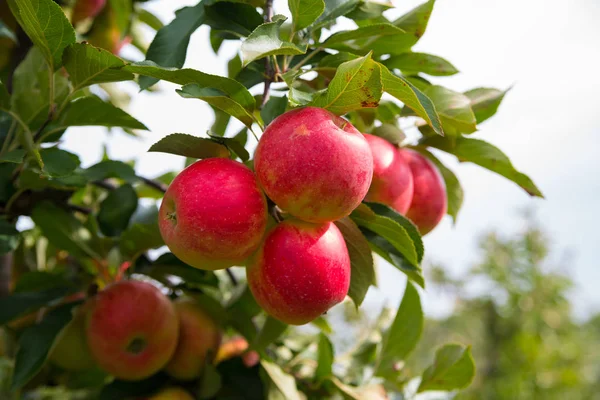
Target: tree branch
{"points": [[161, 187], [5, 273], [268, 14], [232, 277]]}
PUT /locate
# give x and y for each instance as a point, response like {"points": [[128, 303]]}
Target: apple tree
{"points": [[191, 285]]}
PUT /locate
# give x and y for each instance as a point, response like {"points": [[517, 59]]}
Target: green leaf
{"points": [[210, 382], [361, 39], [59, 162], [284, 383], [362, 274], [63, 230], [110, 169], [391, 133], [453, 368], [46, 25], [335, 9], [15, 156], [412, 63], [169, 46], [386, 250], [218, 99], [454, 191], [36, 281], [412, 97], [348, 392], [221, 122], [271, 331], [230, 20], [6, 32], [92, 111], [485, 155], [234, 90], [234, 145], [323, 325], [122, 390], [88, 65], [186, 145], [149, 19], [31, 89], [305, 12], [273, 109], [139, 238], [264, 41], [389, 229], [116, 210], [485, 102], [122, 10], [35, 344], [356, 84], [411, 229], [9, 236], [454, 110], [415, 21], [324, 359], [18, 304], [403, 336]]}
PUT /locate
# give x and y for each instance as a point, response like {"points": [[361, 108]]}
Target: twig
{"points": [[38, 133], [268, 70], [83, 210], [232, 277], [104, 185], [161, 187]]}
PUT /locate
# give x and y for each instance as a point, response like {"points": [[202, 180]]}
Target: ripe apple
{"points": [[214, 214], [84, 9], [301, 271], [173, 393], [199, 339], [131, 329], [429, 202], [314, 164], [392, 183], [71, 351]]}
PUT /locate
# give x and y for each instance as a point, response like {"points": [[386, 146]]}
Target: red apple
{"points": [[314, 164], [237, 347], [71, 351], [392, 183], [199, 339], [213, 215], [172, 393], [301, 271], [132, 329], [86, 9], [429, 202]]}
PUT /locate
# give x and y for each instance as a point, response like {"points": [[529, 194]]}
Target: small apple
{"points": [[429, 202], [71, 351], [172, 393], [199, 339], [392, 183], [131, 329], [301, 271], [213, 215], [313, 164]]}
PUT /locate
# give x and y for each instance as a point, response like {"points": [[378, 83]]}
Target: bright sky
{"points": [[548, 124]]}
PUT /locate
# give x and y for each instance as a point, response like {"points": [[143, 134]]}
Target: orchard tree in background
{"points": [[256, 243]]}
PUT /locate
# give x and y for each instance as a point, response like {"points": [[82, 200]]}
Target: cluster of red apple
{"points": [[317, 168], [132, 330]]}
